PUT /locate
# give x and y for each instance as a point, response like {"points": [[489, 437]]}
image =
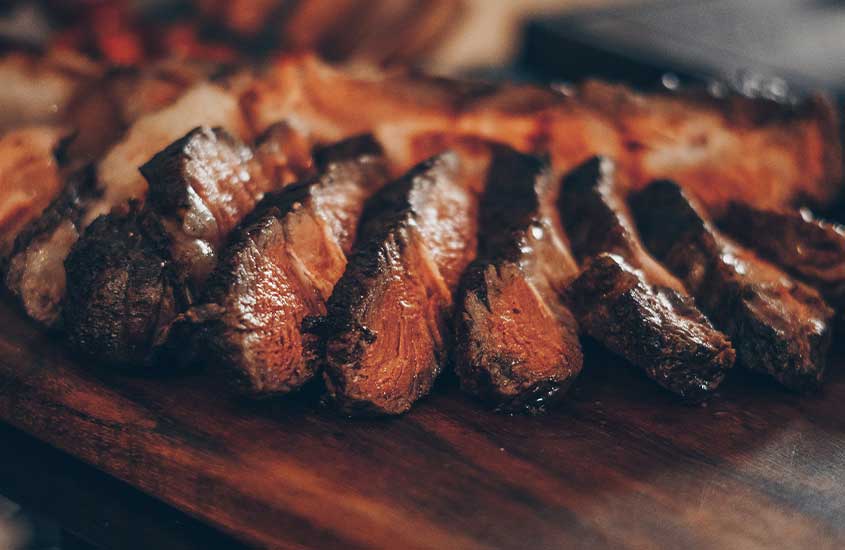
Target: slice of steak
{"points": [[517, 344], [808, 248], [122, 290], [283, 267], [778, 326], [201, 187], [385, 331], [626, 300], [36, 270]]}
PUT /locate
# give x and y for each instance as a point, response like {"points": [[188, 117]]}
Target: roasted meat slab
{"points": [[283, 266], [762, 152], [626, 300], [778, 326], [516, 343], [808, 248], [765, 153], [385, 331]]}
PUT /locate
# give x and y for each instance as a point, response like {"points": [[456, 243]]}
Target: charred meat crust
{"points": [[282, 267], [384, 331], [203, 184], [596, 219], [517, 345], [122, 292], [627, 301], [777, 326], [35, 271], [809, 249], [656, 328]]}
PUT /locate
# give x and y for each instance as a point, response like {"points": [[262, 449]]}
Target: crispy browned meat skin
{"points": [[203, 185], [283, 267], [122, 290], [808, 248], [765, 153], [385, 328], [656, 328], [626, 300], [777, 326], [516, 344], [36, 271]]}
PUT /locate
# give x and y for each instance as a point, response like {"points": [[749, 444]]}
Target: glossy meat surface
{"points": [[516, 343], [203, 104], [725, 148], [385, 331], [810, 249], [203, 185], [626, 300], [283, 267], [778, 326]]}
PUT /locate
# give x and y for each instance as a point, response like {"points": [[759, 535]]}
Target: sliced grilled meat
{"points": [[516, 343], [768, 153], [283, 267], [122, 291], [777, 326], [385, 328], [117, 172], [201, 187], [629, 302], [809, 249]]}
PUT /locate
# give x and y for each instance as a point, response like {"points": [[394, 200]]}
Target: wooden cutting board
{"points": [[620, 464]]}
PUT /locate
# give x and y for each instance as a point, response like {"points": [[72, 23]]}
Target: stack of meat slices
{"points": [[369, 231]]}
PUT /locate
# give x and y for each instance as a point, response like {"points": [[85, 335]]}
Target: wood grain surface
{"points": [[621, 464]]}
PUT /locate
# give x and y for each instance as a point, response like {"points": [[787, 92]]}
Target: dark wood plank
{"points": [[93, 506], [621, 464]]}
